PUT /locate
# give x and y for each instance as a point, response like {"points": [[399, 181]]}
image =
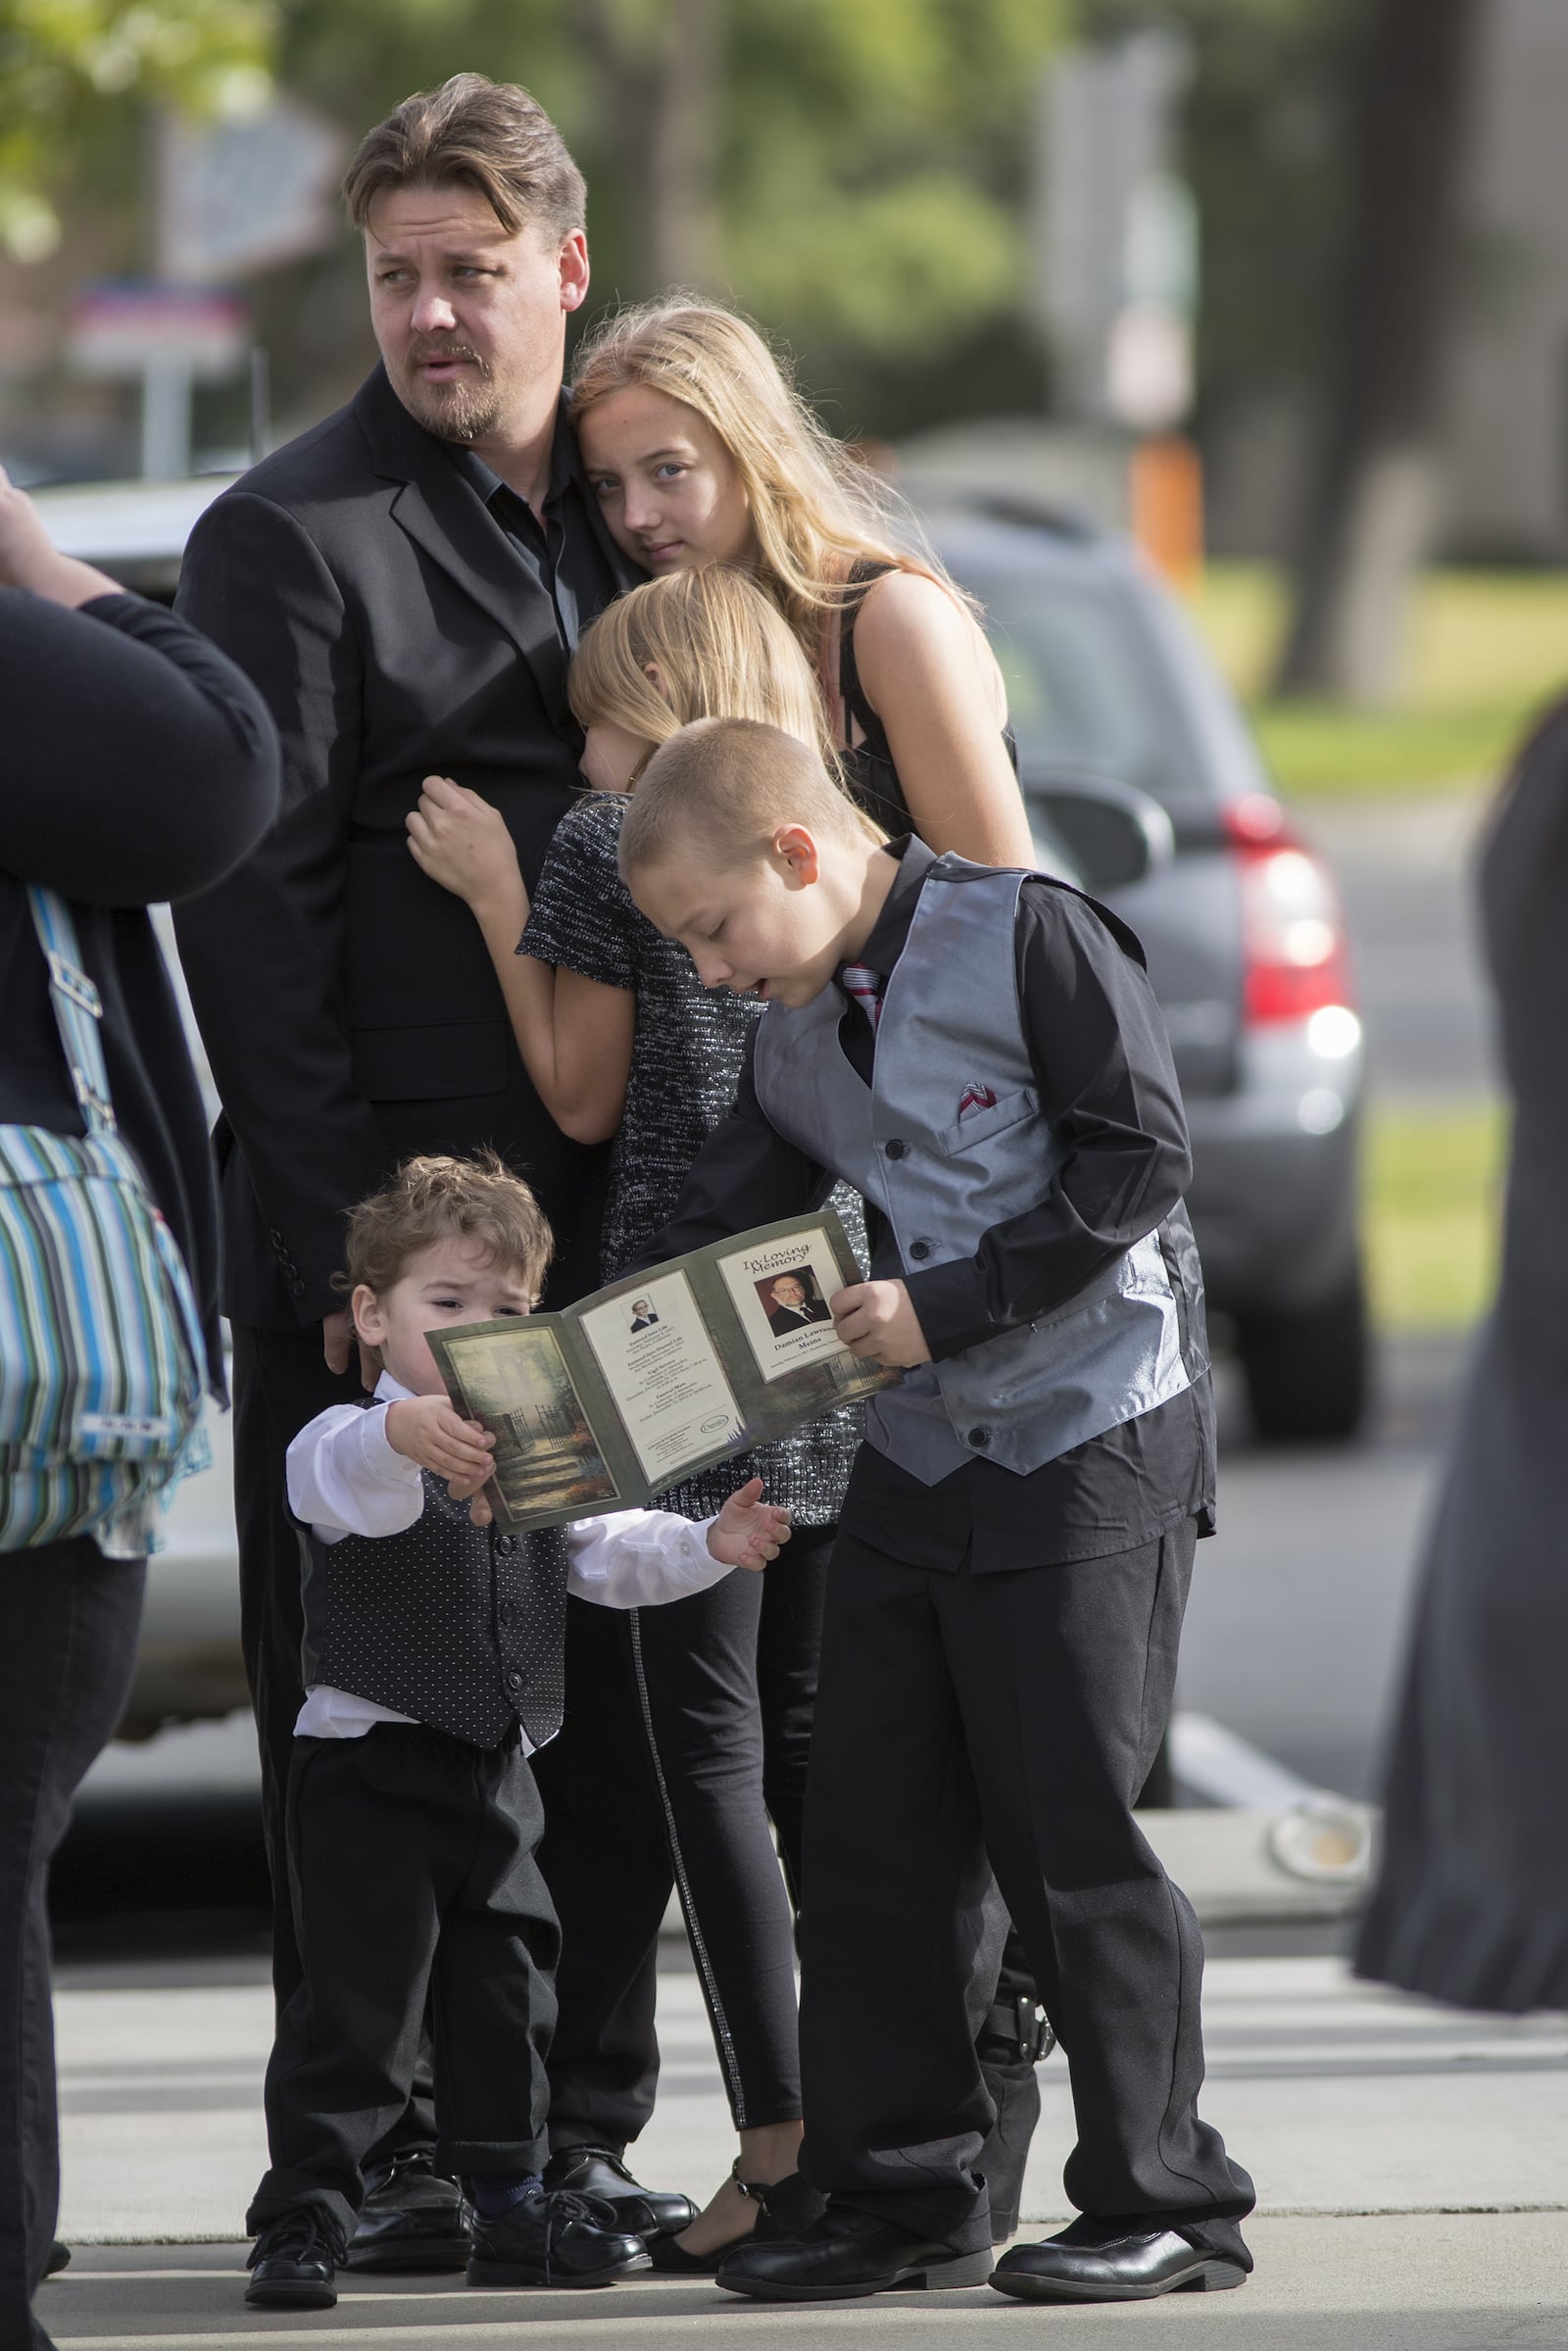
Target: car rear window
{"points": [[1084, 687]]}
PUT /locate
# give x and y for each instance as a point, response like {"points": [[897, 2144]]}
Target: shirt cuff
{"points": [[951, 1304], [378, 1456]]}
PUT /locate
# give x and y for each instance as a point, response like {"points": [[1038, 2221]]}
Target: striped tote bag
{"points": [[100, 1340]]}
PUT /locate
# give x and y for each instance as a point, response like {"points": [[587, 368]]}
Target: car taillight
{"points": [[1294, 951]]}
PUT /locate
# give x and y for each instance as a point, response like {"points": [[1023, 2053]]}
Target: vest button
{"points": [[898, 1149], [980, 1439], [505, 1542], [504, 1613], [514, 1680], [919, 1249]]}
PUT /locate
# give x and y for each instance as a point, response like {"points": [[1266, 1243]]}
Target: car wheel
{"points": [[1306, 1373]]}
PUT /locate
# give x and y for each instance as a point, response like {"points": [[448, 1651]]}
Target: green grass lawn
{"points": [[1487, 649], [1433, 1189]]}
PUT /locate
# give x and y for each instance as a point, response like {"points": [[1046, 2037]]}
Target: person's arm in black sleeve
{"points": [[263, 953], [1108, 1086], [140, 765], [744, 1174]]}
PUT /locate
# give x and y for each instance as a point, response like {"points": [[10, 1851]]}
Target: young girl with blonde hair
{"points": [[701, 451], [620, 1039]]}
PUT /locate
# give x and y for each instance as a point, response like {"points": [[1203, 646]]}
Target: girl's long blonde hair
{"points": [[814, 507], [721, 649]]}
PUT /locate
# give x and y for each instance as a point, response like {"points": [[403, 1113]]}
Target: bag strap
{"points": [[77, 1007]]}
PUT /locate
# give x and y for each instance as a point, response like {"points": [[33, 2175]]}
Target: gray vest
{"points": [[950, 1027]]}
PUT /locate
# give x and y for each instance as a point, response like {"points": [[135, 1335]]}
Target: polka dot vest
{"points": [[456, 1625]]}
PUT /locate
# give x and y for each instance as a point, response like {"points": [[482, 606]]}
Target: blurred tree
{"points": [[1370, 503], [66, 65], [1263, 151], [659, 76]]}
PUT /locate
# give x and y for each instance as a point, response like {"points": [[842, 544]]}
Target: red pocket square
{"points": [[975, 1098]]}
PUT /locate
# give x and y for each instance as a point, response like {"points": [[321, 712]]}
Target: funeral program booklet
{"points": [[661, 1374]]}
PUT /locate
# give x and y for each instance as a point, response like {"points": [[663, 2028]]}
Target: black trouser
{"points": [[1014, 1717], [687, 1729], [413, 1871], [280, 1381], [67, 1647]]}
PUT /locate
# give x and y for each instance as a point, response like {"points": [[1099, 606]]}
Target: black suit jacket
{"points": [[347, 1001], [785, 1319]]}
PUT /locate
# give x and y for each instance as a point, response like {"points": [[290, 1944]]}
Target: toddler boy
{"points": [[979, 1053], [433, 1668]]}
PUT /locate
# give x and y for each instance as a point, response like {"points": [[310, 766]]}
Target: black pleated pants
{"points": [[970, 1723], [69, 1620], [414, 1879], [280, 1383]]}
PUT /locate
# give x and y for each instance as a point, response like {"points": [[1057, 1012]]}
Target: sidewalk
{"points": [[1413, 2169], [1431, 2283]]}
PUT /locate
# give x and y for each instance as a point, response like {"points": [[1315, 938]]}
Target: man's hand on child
{"points": [[877, 1321], [338, 1341], [426, 1428], [463, 843], [749, 1532]]}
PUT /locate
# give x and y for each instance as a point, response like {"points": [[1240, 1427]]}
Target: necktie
{"points": [[865, 987]]}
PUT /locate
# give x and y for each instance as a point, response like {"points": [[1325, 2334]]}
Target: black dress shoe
{"points": [[59, 2259], [844, 2254], [293, 2259], [600, 2171], [411, 2218], [554, 2239], [1116, 2261]]}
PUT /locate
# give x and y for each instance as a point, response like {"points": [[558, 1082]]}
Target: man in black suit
{"points": [[405, 583], [792, 1309]]}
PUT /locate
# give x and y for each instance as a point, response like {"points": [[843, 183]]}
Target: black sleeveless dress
{"points": [[869, 774]]}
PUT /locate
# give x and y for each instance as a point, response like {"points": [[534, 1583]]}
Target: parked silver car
{"points": [[1137, 760]]}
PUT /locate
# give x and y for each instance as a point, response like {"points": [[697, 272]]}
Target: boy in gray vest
{"points": [[979, 1054], [433, 1668]]}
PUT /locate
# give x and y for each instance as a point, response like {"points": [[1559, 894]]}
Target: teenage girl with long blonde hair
{"points": [[699, 451], [620, 1039]]}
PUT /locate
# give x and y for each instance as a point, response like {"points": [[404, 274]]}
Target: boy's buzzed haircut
{"points": [[435, 1197], [722, 787]]}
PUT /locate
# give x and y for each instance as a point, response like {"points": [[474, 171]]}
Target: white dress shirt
{"points": [[345, 1478]]}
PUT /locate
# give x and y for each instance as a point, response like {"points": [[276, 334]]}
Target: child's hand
{"points": [[426, 1430], [877, 1322], [463, 843], [747, 1532]]}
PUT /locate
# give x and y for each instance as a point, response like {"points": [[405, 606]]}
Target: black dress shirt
{"points": [[561, 548], [1104, 1073]]}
